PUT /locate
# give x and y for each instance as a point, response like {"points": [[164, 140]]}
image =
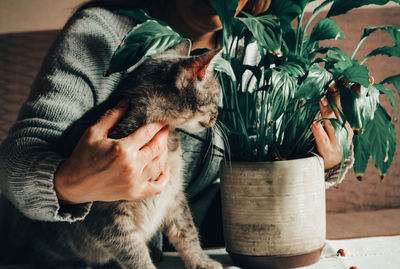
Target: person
{"points": [[52, 170]]}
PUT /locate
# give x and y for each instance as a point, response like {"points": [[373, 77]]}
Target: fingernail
{"points": [[122, 103], [166, 128], [324, 101]]}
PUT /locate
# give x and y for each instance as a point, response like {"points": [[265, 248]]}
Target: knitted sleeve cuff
{"points": [[32, 190], [332, 174]]}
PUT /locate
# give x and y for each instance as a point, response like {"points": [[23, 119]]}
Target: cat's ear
{"points": [[180, 49], [200, 63]]}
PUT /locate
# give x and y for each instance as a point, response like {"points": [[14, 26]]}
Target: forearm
{"points": [[27, 180]]}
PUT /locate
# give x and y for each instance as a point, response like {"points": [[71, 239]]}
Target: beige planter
{"points": [[274, 212]]}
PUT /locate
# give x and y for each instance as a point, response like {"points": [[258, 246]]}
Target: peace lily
{"points": [[268, 108]]}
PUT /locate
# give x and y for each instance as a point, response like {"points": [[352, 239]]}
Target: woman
{"points": [[51, 176]]}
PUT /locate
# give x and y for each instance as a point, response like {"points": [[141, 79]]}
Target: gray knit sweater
{"points": [[70, 83]]}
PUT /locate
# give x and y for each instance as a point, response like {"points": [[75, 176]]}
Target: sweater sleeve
{"points": [[69, 83]]}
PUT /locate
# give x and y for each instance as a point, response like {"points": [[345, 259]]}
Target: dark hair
{"points": [[156, 7]]}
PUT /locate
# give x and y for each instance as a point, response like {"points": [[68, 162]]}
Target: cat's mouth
{"points": [[207, 124]]}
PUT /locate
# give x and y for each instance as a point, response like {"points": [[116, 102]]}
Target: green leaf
{"points": [[359, 108], [223, 66], [361, 154], [145, 39], [342, 137], [319, 76], [294, 68], [394, 80], [382, 132], [280, 93], [326, 29], [336, 60], [388, 51], [287, 10], [382, 89], [358, 74], [313, 87], [265, 30], [289, 39], [226, 10], [394, 32], [322, 6], [343, 6]]}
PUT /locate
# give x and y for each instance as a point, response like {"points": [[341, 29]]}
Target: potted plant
{"points": [[274, 218], [273, 195]]}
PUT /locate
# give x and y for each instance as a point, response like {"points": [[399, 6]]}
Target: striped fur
{"points": [[163, 88]]}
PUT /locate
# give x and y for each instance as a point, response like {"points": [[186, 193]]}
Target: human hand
{"points": [[105, 169], [327, 145]]}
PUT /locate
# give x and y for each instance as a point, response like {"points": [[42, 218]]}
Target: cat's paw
{"points": [[206, 264]]}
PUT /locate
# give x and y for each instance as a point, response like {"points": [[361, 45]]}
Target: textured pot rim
{"points": [[226, 163]]}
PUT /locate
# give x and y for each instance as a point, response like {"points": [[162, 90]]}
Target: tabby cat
{"points": [[185, 96]]}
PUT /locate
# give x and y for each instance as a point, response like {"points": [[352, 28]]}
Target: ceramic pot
{"points": [[274, 212]]}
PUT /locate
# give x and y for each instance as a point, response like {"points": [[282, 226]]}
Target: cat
{"points": [[185, 97]]}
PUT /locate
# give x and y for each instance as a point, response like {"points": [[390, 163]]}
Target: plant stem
{"points": [[299, 32], [358, 47], [363, 61]]}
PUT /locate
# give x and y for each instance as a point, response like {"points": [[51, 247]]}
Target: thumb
{"points": [[111, 117]]}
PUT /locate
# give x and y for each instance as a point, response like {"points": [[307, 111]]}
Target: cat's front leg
{"points": [[182, 233], [130, 251]]}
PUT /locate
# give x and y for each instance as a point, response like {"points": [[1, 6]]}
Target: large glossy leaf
{"points": [[382, 89], [359, 108], [326, 29], [280, 93], [223, 66], [320, 76], [394, 80], [361, 154], [226, 10], [145, 39], [343, 6], [394, 32], [387, 51], [289, 39], [287, 10], [382, 132], [357, 74], [342, 137], [313, 87], [336, 60], [265, 30]]}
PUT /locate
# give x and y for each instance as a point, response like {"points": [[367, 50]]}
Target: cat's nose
{"points": [[203, 124]]}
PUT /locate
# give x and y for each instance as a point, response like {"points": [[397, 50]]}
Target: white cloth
{"points": [[365, 253]]}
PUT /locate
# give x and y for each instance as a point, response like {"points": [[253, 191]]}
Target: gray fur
{"points": [[163, 88]]}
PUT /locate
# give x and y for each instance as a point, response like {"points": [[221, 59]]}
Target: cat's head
{"points": [[180, 90]]}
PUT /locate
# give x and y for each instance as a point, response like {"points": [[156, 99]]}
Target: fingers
{"points": [[155, 187], [321, 137], [334, 93], [157, 145], [145, 134], [110, 118], [326, 109], [153, 169]]}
